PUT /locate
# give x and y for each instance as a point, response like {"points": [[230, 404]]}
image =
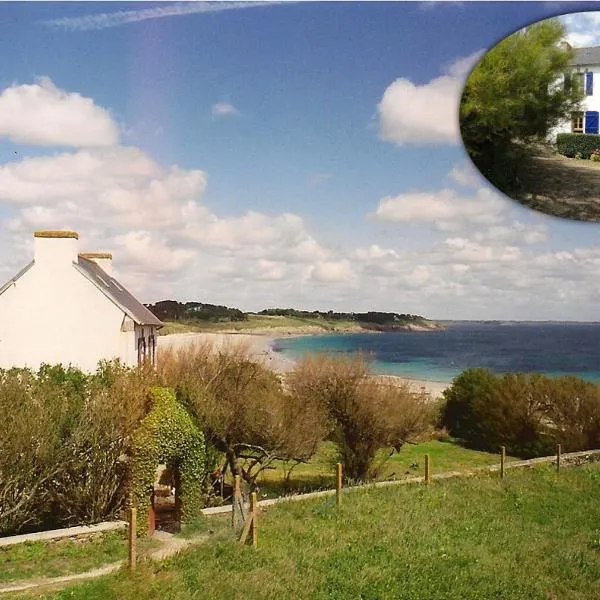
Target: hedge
{"points": [[168, 435], [570, 144]]}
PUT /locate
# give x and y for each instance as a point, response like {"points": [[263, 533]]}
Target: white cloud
{"points": [[466, 175], [123, 17], [224, 109], [582, 28], [516, 232], [446, 209], [332, 272], [425, 114], [41, 114]]}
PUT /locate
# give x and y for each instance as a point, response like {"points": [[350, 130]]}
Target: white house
{"points": [[585, 73], [66, 307]]}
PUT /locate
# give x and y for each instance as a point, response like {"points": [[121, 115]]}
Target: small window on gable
{"points": [[577, 122]]}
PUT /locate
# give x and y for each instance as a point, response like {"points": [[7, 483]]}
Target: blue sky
{"points": [[299, 154]]}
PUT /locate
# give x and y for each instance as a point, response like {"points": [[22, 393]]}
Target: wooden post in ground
{"points": [[132, 539], [253, 516], [236, 517], [502, 460], [558, 453], [427, 470], [338, 484]]}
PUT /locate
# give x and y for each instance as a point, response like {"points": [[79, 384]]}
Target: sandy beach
{"points": [[260, 345]]}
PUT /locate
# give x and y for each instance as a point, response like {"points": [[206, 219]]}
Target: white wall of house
{"points": [[53, 314], [589, 103]]}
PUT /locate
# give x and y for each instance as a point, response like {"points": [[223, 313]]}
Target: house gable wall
{"points": [[56, 315]]}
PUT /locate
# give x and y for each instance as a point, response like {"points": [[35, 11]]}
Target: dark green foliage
{"points": [[527, 413], [171, 310], [369, 318], [571, 144], [512, 97], [470, 388]]}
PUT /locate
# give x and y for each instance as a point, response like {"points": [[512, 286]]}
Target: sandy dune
{"points": [[260, 346]]}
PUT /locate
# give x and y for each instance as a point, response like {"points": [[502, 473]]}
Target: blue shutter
{"points": [[591, 121], [589, 83]]}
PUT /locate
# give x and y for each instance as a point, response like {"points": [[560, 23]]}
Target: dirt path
{"points": [[170, 545], [562, 187]]}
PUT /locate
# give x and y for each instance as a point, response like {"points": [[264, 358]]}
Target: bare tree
{"points": [[365, 414]]}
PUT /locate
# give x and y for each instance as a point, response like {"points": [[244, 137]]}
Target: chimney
{"points": [[102, 259], [55, 249]]}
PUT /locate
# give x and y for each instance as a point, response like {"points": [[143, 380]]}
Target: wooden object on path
{"points": [[558, 453], [338, 484], [427, 470], [250, 526], [502, 460], [132, 539]]}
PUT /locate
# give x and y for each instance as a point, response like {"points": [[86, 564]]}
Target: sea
{"points": [[440, 355]]}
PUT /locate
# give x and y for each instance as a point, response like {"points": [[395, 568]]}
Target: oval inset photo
{"points": [[529, 116]]}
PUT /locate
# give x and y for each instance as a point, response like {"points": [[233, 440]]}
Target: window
{"points": [[577, 122], [141, 348], [579, 82], [152, 349]]}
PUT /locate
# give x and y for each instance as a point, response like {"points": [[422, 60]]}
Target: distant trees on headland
{"points": [[172, 310]]}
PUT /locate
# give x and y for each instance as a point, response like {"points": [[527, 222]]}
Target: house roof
{"points": [[586, 56], [17, 276], [115, 292], [109, 286]]}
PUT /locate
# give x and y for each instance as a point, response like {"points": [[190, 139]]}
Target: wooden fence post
{"points": [[558, 453], [502, 460], [253, 516], [132, 539], [338, 484], [236, 517], [427, 470]]}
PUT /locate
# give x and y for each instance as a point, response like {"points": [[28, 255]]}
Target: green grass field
{"points": [[410, 461], [533, 536], [63, 557], [256, 322]]}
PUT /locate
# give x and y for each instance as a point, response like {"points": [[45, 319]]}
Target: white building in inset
{"points": [[585, 74], [66, 307]]}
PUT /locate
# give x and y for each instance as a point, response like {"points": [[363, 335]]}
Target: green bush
{"points": [[527, 413], [471, 388], [63, 435], [582, 144]]}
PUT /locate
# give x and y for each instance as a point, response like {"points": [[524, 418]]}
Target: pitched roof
{"points": [[19, 274], [115, 292], [586, 56]]}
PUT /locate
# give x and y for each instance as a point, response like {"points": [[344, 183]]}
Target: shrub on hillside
{"points": [[458, 416], [242, 408], [572, 144], [365, 414], [527, 413], [514, 415], [62, 437], [574, 414]]}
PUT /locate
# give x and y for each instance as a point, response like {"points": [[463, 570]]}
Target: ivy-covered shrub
{"points": [[167, 435], [571, 144]]}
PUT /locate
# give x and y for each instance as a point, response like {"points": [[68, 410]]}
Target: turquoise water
{"points": [[550, 348]]}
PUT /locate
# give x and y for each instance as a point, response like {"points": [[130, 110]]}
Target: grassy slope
{"points": [[62, 557], [259, 322], [319, 473], [533, 536]]}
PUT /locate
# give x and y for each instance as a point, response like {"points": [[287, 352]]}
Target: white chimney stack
{"points": [[102, 259], [55, 249]]}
